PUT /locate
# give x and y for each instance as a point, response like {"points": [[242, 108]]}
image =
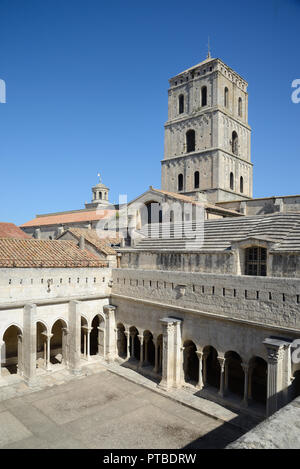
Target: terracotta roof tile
{"points": [[92, 237], [42, 253], [9, 230], [71, 217]]}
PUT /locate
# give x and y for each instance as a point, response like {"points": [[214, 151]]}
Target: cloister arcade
{"points": [[203, 369]]}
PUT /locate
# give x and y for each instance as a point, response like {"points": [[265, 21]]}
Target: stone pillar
{"points": [[141, 339], [171, 364], [29, 344], [204, 365], [20, 355], [246, 367], [156, 355], [275, 350], [226, 376], [110, 336], [200, 379], [222, 362], [74, 337], [47, 350], [2, 347], [127, 333], [65, 347], [101, 332]]}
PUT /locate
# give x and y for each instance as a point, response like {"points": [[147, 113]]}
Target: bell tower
{"points": [[207, 136]]}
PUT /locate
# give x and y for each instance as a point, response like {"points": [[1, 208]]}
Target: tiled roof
{"points": [[9, 230], [69, 217], [282, 229], [186, 198], [42, 253], [92, 237]]}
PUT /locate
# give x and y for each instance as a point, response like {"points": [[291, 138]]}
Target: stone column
{"points": [[156, 355], [204, 365], [29, 344], [101, 331], [2, 346], [47, 350], [246, 367], [65, 354], [200, 380], [141, 339], [127, 333], [20, 355], [275, 350], [171, 371], [74, 337], [222, 361], [110, 336], [86, 342]]}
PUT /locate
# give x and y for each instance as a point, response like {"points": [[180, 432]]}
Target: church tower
{"points": [[207, 136]]}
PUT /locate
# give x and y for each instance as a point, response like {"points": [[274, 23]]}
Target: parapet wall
{"points": [[280, 431], [262, 300]]}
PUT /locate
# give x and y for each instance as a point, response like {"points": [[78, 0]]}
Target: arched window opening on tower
{"points": [[196, 180], [256, 261], [203, 96], [190, 141], [231, 181], [234, 143], [180, 182], [226, 97], [100, 195], [240, 107], [241, 184], [181, 104]]}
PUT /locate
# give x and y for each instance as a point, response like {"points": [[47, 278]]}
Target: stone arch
{"points": [[58, 342], [11, 353], [181, 104], [258, 374], [231, 181], [240, 110], [190, 362], [211, 367], [121, 341], [234, 373], [234, 143], [204, 96], [226, 96], [41, 343], [135, 345], [190, 140], [241, 184], [196, 179], [180, 182], [97, 336], [148, 349], [84, 336]]}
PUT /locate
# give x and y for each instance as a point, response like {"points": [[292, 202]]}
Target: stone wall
{"points": [[261, 300], [280, 431]]}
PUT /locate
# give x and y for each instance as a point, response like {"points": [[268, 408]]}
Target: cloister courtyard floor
{"points": [[104, 410]]}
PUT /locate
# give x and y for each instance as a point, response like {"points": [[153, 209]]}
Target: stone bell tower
{"points": [[100, 196], [207, 136]]}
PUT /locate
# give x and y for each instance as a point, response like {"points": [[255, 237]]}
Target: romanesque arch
{"points": [[12, 358], [41, 344], [211, 367], [190, 362], [135, 345], [234, 373], [148, 349], [121, 341], [258, 372], [97, 336], [58, 342]]}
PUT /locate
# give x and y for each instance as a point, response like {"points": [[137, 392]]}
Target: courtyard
{"points": [[106, 411]]}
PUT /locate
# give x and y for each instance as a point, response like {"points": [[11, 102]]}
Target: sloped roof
{"points": [[42, 253], [92, 237], [69, 217], [9, 230], [187, 199], [283, 229]]}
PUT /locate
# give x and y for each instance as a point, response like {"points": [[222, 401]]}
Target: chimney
{"points": [[81, 243]]}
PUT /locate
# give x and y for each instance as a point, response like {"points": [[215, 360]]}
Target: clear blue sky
{"points": [[87, 92]]}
